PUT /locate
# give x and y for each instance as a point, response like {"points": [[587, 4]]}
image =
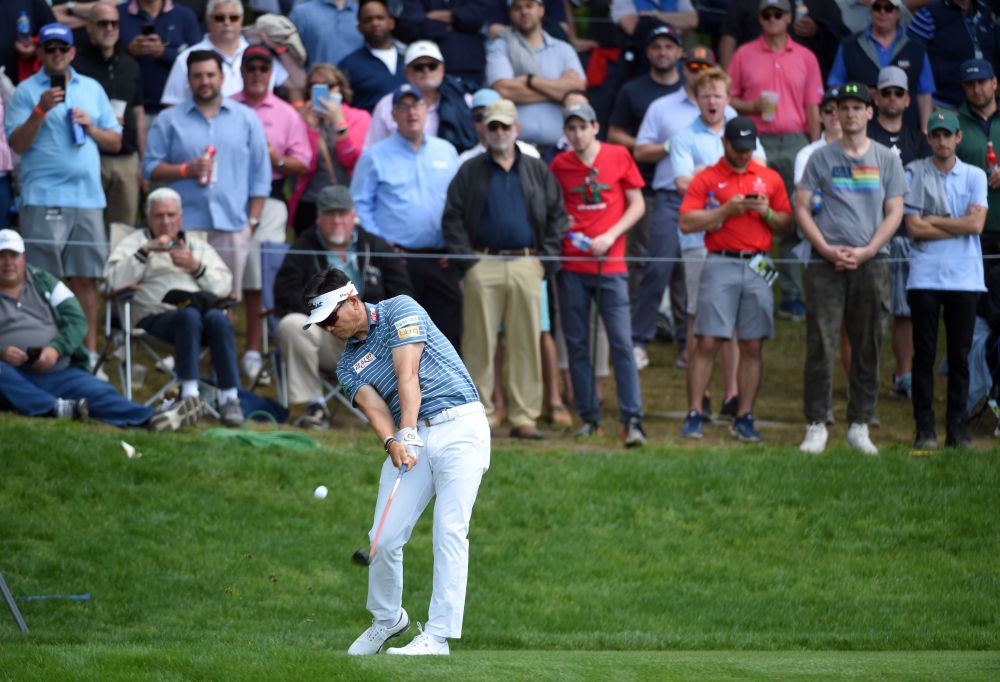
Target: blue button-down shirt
{"points": [[328, 33], [397, 321], [399, 193], [242, 165], [54, 171]]}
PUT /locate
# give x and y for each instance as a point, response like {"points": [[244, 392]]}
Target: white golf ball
{"points": [[320, 492]]}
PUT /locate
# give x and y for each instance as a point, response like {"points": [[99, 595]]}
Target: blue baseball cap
{"points": [[976, 70], [55, 32], [484, 97], [405, 90]]}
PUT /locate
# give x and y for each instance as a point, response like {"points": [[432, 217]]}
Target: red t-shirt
{"points": [[747, 231], [594, 197]]}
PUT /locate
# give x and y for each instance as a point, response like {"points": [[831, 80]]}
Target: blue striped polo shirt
{"points": [[444, 381]]}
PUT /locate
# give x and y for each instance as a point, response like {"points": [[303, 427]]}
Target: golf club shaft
{"points": [[385, 512]]}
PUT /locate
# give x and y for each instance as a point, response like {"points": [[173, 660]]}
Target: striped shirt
{"points": [[444, 381]]}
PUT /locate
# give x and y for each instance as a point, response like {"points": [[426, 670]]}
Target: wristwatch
{"points": [[71, 8], [253, 222]]}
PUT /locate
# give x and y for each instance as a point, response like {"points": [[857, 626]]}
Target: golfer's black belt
{"points": [[744, 255]]}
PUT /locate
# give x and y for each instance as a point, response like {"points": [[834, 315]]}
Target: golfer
{"points": [[401, 371]]}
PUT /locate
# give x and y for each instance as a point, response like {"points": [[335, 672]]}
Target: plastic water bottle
{"points": [[23, 27], [712, 203], [817, 202], [579, 240]]}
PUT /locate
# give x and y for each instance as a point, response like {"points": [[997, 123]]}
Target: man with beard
{"points": [[505, 203], [213, 152], [375, 68]]}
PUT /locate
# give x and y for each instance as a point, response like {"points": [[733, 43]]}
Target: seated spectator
{"points": [[336, 136], [337, 241], [43, 362], [174, 27], [329, 29], [180, 281], [376, 68], [225, 18], [447, 104], [953, 31], [884, 43], [456, 26], [535, 71]]}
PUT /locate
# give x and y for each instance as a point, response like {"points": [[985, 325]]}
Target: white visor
{"points": [[321, 306]]}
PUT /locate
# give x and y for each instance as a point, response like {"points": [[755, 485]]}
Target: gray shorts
{"points": [[730, 295], [694, 262], [67, 242], [899, 253]]}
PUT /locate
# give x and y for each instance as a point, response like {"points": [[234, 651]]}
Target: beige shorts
{"points": [[273, 221]]}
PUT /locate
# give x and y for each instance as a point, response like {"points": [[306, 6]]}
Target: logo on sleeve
{"points": [[366, 360], [407, 327]]}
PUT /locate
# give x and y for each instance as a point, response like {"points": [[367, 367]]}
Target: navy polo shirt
{"points": [[504, 224]]}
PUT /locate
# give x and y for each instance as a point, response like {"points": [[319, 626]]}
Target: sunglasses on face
{"points": [[695, 67], [331, 321], [769, 14], [425, 66], [885, 9], [257, 69], [106, 24], [232, 18], [494, 126], [829, 110], [52, 49], [898, 93]]}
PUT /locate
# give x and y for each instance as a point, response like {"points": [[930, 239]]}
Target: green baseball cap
{"points": [[943, 119]]}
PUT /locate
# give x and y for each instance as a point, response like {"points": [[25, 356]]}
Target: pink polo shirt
{"points": [[792, 72], [284, 128]]}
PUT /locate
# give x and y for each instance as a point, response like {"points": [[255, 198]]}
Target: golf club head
{"points": [[360, 557]]}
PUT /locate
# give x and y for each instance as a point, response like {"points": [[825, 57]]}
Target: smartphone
{"points": [[59, 81], [320, 92], [754, 197], [148, 29], [33, 354]]}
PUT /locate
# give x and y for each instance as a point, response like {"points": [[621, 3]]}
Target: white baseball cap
{"points": [[422, 48], [11, 241]]}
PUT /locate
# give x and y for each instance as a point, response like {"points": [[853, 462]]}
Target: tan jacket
{"points": [[156, 274]]}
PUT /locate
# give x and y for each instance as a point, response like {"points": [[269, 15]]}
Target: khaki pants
{"points": [[508, 291], [120, 180], [305, 352]]}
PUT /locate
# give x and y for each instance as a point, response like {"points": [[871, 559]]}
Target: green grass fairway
{"points": [[207, 560]]}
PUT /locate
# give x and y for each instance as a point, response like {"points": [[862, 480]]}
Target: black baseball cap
{"points": [[854, 90], [742, 134], [664, 30]]}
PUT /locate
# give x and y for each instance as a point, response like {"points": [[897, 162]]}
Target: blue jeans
{"points": [[575, 294], [663, 243], [35, 393], [188, 330]]}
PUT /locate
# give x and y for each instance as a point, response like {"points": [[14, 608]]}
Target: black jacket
{"points": [[467, 196], [383, 276]]}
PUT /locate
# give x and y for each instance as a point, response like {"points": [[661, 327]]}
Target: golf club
{"points": [[365, 559]]}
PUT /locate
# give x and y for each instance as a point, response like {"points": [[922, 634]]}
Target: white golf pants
{"points": [[455, 457]]}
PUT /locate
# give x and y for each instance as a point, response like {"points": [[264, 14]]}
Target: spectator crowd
{"points": [[556, 183]]}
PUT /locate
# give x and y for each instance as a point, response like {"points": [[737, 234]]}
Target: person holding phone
{"points": [[62, 213]]}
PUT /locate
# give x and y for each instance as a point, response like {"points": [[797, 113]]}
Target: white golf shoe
{"points": [[857, 437], [815, 440], [424, 644], [371, 641]]}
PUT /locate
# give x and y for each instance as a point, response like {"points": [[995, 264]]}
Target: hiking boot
{"points": [[424, 644], [743, 430], [858, 438], [230, 413], [176, 414], [315, 418], [692, 426], [815, 440], [371, 641], [634, 434]]}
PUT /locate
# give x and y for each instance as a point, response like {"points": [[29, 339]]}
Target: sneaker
{"points": [[371, 641], [793, 309], [72, 409], [424, 644], [958, 438], [230, 413], [692, 426], [730, 406], [743, 430], [175, 415], [588, 430], [902, 387], [641, 357], [634, 433], [926, 439], [681, 363], [315, 418], [706, 408], [857, 437], [252, 364], [815, 440]]}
